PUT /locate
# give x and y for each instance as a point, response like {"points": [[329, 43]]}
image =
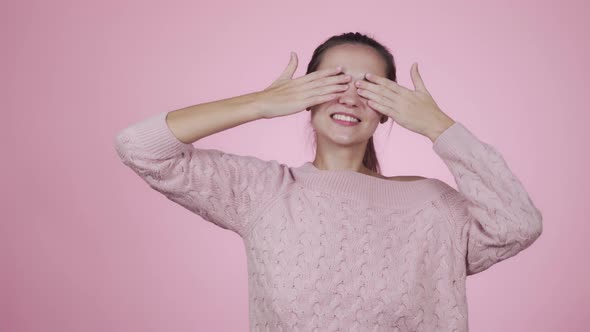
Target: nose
{"points": [[350, 97]]}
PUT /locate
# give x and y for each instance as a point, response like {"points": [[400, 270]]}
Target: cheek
{"points": [[373, 115]]}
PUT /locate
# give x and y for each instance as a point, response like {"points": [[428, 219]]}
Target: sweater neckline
{"points": [[366, 188]]}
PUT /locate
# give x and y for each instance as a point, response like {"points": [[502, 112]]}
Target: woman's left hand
{"points": [[414, 110]]}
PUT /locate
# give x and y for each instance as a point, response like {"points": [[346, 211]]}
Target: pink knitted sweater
{"points": [[340, 250]]}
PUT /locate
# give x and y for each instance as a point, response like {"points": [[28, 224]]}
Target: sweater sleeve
{"points": [[222, 188], [493, 215]]}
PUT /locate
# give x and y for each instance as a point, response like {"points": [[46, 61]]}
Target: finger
{"points": [[336, 88], [338, 79], [376, 98], [318, 74], [417, 79], [377, 90], [320, 99], [291, 67], [386, 83], [383, 109]]}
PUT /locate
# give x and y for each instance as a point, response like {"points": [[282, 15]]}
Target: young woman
{"points": [[333, 244]]}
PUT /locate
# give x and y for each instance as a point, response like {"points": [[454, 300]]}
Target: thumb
{"points": [[416, 78], [291, 67]]}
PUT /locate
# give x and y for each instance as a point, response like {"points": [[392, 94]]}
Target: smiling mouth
{"points": [[343, 117], [346, 122]]}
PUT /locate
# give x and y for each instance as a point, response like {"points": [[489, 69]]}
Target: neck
{"points": [[364, 189]]}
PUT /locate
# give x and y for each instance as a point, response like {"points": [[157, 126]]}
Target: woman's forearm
{"points": [[192, 123]]}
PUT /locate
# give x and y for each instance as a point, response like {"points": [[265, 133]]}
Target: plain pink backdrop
{"points": [[85, 245]]}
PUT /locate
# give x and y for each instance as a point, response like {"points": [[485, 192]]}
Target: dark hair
{"points": [[370, 160]]}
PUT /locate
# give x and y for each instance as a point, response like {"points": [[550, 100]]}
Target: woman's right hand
{"points": [[287, 96]]}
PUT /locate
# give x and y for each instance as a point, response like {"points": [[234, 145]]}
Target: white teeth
{"points": [[344, 118]]}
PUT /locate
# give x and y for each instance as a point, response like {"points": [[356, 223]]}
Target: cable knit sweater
{"points": [[344, 251]]}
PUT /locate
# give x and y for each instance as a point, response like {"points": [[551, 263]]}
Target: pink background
{"points": [[85, 245]]}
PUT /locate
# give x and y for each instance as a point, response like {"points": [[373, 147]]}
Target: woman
{"points": [[333, 244]]}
